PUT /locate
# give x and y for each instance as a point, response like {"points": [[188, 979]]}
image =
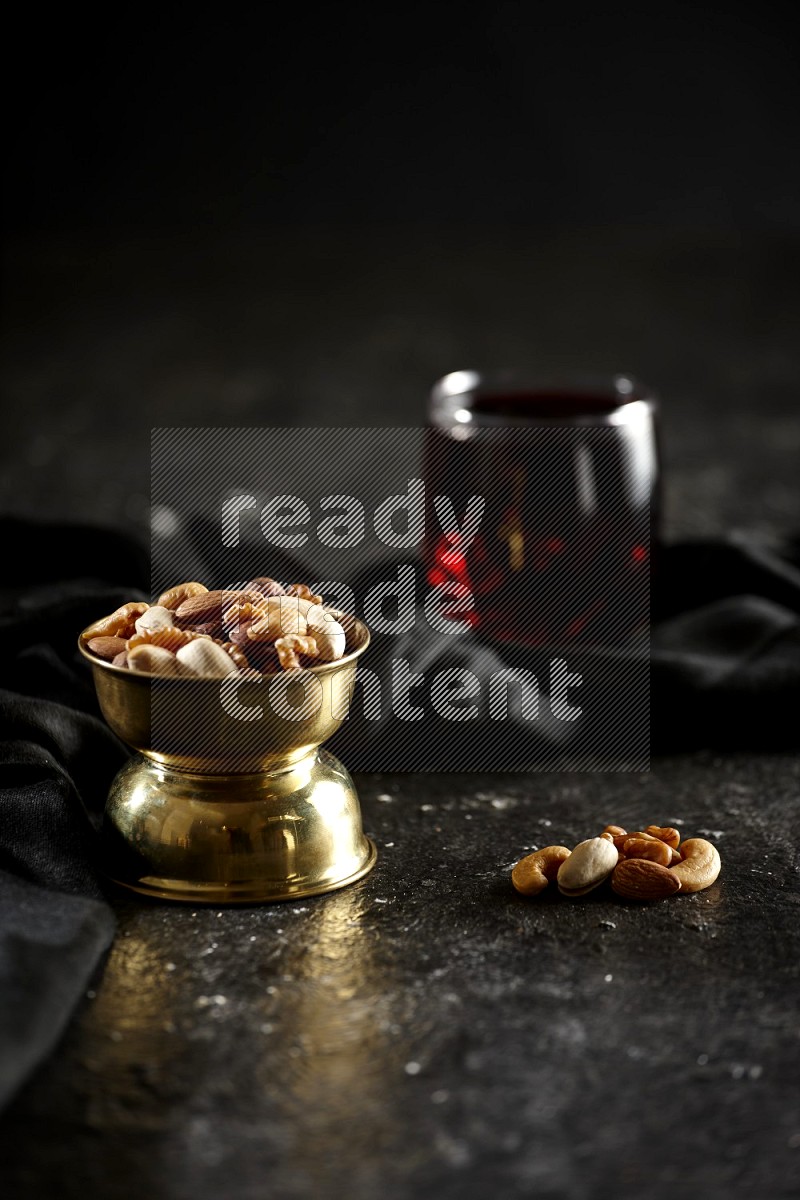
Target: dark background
{"points": [[560, 115], [307, 216]]}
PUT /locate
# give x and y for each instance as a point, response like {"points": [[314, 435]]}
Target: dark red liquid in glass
{"points": [[547, 405], [569, 479]]}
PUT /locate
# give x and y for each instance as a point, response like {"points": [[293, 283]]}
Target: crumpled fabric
{"points": [[57, 758]]}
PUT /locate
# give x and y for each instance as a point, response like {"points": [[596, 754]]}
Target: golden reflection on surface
{"points": [[329, 1022], [286, 1014], [131, 1034], [139, 991]]}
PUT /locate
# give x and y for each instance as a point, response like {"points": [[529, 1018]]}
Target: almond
{"points": [[640, 879], [209, 606], [107, 647]]}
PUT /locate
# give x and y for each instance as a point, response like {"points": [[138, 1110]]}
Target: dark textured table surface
{"points": [[427, 1031]]}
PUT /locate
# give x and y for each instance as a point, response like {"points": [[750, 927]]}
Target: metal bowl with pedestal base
{"points": [[230, 796]]}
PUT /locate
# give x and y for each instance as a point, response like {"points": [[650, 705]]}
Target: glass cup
{"points": [[565, 474]]}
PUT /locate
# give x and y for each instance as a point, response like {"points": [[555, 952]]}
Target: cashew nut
{"points": [[699, 866], [152, 660], [156, 617], [120, 623], [327, 633], [532, 874], [175, 596], [204, 657]]}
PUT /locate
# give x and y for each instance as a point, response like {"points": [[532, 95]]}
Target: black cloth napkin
{"points": [[57, 758], [725, 673]]}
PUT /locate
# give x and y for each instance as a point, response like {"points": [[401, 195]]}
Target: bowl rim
{"points": [[322, 668]]}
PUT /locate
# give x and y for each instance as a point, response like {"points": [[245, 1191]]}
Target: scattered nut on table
{"points": [[194, 630], [699, 866], [645, 865], [643, 879], [532, 873], [589, 865]]}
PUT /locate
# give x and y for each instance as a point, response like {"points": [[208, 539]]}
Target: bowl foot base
{"points": [[254, 892], [234, 839]]}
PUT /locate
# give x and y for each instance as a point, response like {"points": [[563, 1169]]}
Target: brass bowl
{"points": [[230, 797]]}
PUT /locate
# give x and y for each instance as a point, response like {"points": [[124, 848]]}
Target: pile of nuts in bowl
{"points": [[647, 865], [191, 630]]}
